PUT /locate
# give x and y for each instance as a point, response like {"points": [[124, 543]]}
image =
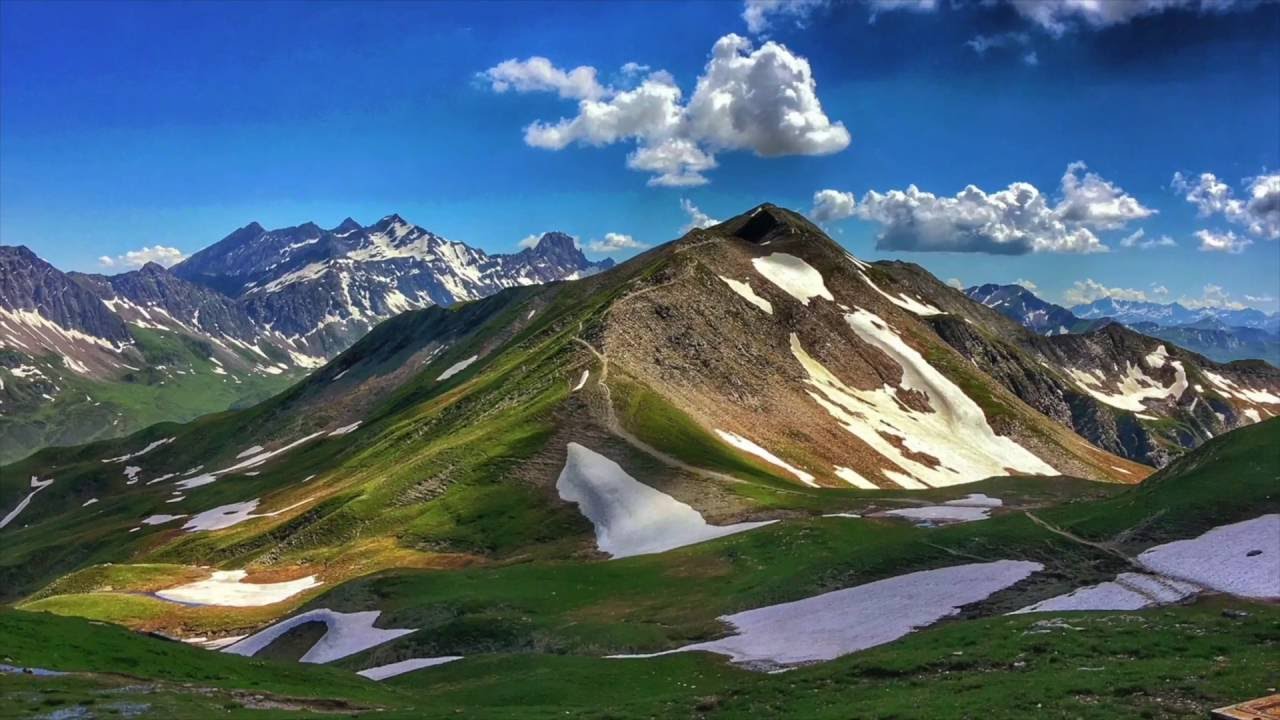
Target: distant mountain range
{"points": [[87, 356], [1217, 333]]}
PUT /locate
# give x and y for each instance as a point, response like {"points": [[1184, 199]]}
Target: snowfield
{"points": [[744, 290], [382, 672], [1135, 386], [1227, 387], [940, 514], [1241, 559], [346, 634], [904, 301], [143, 451], [457, 367], [837, 623], [37, 485], [795, 276], [855, 479], [1129, 591], [955, 432], [226, 588], [749, 447], [631, 518]]}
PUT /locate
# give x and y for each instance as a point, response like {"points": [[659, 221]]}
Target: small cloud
{"points": [[1227, 242], [1031, 59], [697, 218], [955, 283], [829, 205], [614, 242], [1138, 239], [1088, 290], [159, 254], [529, 241], [1212, 296], [1026, 284]]}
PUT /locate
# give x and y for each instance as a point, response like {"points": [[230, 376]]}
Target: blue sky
{"points": [[125, 126]]}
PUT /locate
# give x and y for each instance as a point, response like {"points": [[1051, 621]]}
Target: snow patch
{"points": [[1129, 591], [382, 672], [795, 276], [855, 479], [457, 367], [143, 451], [747, 446], [837, 623], [744, 289], [1241, 559], [345, 429], [346, 634], [904, 301], [36, 486], [226, 589], [225, 516], [631, 518], [581, 381]]}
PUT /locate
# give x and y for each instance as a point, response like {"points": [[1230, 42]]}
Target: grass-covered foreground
{"points": [[1161, 663]]}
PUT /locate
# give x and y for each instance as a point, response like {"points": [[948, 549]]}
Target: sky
{"points": [[1128, 149]]}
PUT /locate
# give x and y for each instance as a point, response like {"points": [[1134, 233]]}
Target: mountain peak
{"points": [[347, 225], [555, 241]]}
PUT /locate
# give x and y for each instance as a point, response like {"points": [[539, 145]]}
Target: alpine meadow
{"points": [[875, 359]]}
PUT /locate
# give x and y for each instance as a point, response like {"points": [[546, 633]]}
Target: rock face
{"points": [[29, 285], [1023, 307]]}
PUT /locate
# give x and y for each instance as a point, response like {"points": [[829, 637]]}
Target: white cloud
{"points": [[675, 163], [1139, 240], [1227, 242], [758, 14], [1088, 290], [1013, 221], [1258, 212], [982, 43], [1097, 203], [955, 283], [159, 254], [831, 205], [614, 242], [529, 241], [1213, 296], [763, 100], [1059, 16], [697, 218], [1026, 284], [539, 74], [1031, 58]]}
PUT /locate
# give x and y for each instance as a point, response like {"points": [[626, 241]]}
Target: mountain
{"points": [[733, 450], [1174, 314], [1024, 307], [86, 356], [1207, 335], [323, 289]]}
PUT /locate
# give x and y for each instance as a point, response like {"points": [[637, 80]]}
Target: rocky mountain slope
{"points": [[87, 356], [1256, 337]]}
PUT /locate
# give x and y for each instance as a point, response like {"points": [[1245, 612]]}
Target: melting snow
{"points": [[1135, 387], [930, 514], [837, 623], [631, 518], [250, 451], [346, 634], [225, 516], [1228, 387], [1129, 591], [795, 276], [457, 367], [1241, 559], [36, 486], [159, 519], [89, 502], [855, 479], [955, 433], [345, 429], [143, 451], [382, 672], [744, 289], [904, 301], [747, 446], [582, 380], [227, 589]]}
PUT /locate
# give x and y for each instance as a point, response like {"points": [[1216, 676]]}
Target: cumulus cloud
{"points": [[1227, 242], [1258, 212], [159, 254], [1212, 296], [763, 100], [697, 218], [1026, 284], [1138, 239], [1088, 290], [1019, 219], [955, 283], [759, 14], [529, 241], [1097, 203], [831, 205], [614, 242]]}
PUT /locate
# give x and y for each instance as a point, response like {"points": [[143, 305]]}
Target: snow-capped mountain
{"points": [[1171, 314], [1024, 307], [319, 290], [234, 323]]}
